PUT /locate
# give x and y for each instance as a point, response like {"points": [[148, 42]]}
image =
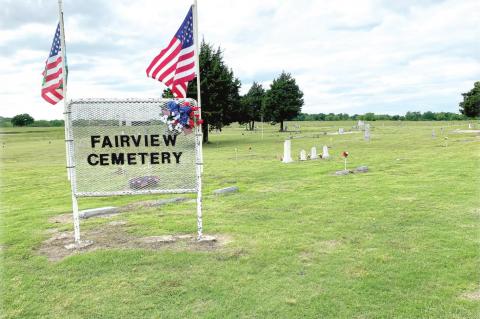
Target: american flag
{"points": [[52, 85], [175, 65]]}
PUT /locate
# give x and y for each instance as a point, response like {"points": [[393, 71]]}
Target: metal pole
{"points": [[68, 137], [262, 127], [198, 129]]}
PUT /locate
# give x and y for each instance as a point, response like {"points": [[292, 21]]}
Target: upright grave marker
{"points": [[287, 151], [303, 155], [367, 133], [325, 152], [313, 153]]}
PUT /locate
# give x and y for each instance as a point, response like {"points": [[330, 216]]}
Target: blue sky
{"points": [[347, 56]]}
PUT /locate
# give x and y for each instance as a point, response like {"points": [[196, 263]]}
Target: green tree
{"points": [[219, 90], [470, 106], [22, 120], [284, 100], [167, 94], [413, 116], [428, 116], [252, 103]]}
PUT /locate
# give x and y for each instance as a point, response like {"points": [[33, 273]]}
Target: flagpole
{"points": [[198, 130], [68, 137]]}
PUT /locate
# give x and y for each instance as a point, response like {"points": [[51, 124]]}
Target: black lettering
{"points": [[165, 157], [170, 139], [177, 156], [106, 142], [146, 140], [124, 139], [143, 157], [89, 159], [95, 139], [154, 140], [118, 158], [131, 158], [116, 140], [103, 159], [154, 158], [137, 141]]}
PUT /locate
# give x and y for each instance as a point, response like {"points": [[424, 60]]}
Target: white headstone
{"points": [[360, 124], [325, 152], [367, 134], [433, 133], [303, 155], [287, 151], [340, 130], [313, 153], [470, 126]]}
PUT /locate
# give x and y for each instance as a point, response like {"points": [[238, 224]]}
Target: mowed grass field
{"points": [[401, 241]]}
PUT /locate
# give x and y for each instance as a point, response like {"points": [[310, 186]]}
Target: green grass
{"points": [[401, 241]]}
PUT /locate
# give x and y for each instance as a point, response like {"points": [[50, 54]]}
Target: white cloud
{"points": [[347, 56]]}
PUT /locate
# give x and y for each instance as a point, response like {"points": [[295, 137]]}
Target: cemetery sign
{"points": [[133, 146]]}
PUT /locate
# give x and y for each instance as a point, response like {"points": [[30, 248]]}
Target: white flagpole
{"points": [[198, 130], [68, 137]]}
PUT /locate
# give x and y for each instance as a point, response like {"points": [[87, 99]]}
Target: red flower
{"points": [[199, 122], [186, 103], [195, 108]]}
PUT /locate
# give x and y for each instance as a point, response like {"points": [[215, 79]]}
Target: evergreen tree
{"points": [[470, 106], [283, 101], [251, 106], [219, 90]]}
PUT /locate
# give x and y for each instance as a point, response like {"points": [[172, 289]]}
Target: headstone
{"points": [[367, 134], [470, 126], [313, 153], [287, 152], [433, 133], [84, 214], [303, 155], [340, 130], [226, 190], [360, 124], [325, 152], [361, 169]]}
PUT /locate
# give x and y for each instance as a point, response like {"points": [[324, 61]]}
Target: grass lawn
{"points": [[401, 241]]}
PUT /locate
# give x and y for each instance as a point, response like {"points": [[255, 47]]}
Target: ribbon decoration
{"points": [[181, 117]]}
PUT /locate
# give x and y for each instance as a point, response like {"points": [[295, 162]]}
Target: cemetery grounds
{"points": [[400, 241]]}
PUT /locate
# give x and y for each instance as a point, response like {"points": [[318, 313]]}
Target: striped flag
{"points": [[52, 85], [175, 65]]}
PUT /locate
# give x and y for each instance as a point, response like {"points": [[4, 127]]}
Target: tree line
{"points": [[409, 116], [27, 120]]}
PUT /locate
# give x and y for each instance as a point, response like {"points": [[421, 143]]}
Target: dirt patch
{"points": [[474, 295], [113, 236], [61, 219]]}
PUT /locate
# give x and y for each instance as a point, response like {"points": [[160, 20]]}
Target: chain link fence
{"points": [[123, 147]]}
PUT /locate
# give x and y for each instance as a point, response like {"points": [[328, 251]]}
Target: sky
{"points": [[354, 57]]}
